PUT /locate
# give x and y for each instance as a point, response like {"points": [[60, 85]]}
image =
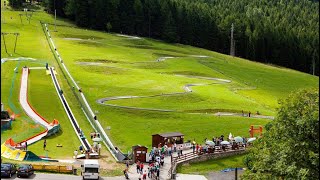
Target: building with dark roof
{"points": [[167, 138]]}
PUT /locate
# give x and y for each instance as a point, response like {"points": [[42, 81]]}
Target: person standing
{"points": [[75, 154], [99, 148], [141, 167], [197, 148], [144, 175], [94, 145], [174, 147], [127, 164], [26, 145], [193, 147], [44, 144], [125, 172], [158, 173], [138, 166]]}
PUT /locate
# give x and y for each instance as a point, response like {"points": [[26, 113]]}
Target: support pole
{"points": [[20, 18], [15, 44], [55, 16], [29, 17], [232, 44], [55, 20], [4, 41]]}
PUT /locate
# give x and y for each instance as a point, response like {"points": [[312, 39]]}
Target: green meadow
{"points": [[108, 65], [212, 165]]}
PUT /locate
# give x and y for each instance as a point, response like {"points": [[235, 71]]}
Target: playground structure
{"points": [[253, 130], [10, 149]]}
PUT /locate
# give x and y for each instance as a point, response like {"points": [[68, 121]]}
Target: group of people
{"points": [[156, 160], [197, 148], [95, 148], [94, 135]]}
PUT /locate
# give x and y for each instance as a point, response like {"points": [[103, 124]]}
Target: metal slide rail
{"points": [[66, 107], [84, 103]]}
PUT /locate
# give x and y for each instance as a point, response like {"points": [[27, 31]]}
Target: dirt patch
{"points": [[97, 60], [101, 69], [130, 37], [107, 161], [74, 39], [78, 36]]}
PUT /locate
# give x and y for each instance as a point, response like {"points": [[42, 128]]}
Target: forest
{"points": [[278, 32]]}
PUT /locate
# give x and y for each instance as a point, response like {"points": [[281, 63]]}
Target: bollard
{"points": [[236, 174], [74, 171]]}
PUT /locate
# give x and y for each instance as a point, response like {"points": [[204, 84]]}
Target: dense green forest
{"points": [[280, 32]]}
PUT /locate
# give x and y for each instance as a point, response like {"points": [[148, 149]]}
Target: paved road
{"points": [[39, 176]]}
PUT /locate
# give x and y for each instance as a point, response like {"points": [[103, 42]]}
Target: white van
{"points": [[90, 169]]}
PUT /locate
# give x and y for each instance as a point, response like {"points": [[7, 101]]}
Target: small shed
{"points": [[167, 138], [139, 153]]}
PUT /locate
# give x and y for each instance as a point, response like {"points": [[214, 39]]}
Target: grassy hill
{"points": [[109, 65]]}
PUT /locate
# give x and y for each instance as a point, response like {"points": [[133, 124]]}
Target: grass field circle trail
{"points": [[187, 89]]}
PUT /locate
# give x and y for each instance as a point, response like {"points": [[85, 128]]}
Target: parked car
{"points": [[25, 170], [8, 169]]}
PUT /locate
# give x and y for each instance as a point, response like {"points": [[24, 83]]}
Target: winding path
{"points": [[187, 89]]}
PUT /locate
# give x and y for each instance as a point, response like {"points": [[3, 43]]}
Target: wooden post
{"points": [[4, 41]]}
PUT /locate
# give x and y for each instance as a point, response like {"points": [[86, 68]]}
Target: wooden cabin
{"points": [[167, 138], [139, 153]]}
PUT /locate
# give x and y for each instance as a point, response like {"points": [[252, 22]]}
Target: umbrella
{"points": [[210, 143], [97, 139], [238, 139], [224, 143], [251, 139], [230, 136]]}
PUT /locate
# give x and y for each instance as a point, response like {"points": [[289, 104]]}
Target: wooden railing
{"points": [[175, 160]]}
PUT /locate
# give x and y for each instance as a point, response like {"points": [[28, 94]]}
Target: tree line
{"points": [[280, 32]]}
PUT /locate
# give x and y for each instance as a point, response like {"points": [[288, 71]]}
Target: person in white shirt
{"points": [[75, 154], [99, 148], [94, 145]]}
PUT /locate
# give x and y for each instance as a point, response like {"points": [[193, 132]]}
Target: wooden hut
{"points": [[167, 138], [139, 153]]}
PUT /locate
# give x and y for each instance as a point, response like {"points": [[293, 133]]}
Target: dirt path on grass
{"points": [[186, 88]]}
